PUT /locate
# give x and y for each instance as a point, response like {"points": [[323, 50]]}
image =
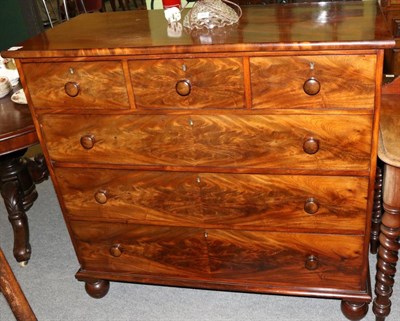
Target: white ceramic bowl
{"points": [[5, 86]]}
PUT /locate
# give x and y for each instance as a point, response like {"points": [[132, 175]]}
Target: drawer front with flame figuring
{"points": [[252, 258], [77, 85], [337, 81], [188, 83], [329, 204], [250, 141]]}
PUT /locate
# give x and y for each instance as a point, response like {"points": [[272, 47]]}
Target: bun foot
{"points": [[354, 311], [97, 288]]}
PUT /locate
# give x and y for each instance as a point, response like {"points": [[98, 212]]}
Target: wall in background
{"points": [[19, 20]]}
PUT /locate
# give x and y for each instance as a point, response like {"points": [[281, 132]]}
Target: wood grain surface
{"points": [[215, 83], [268, 202], [102, 84], [12, 292], [346, 25], [345, 81], [242, 160], [16, 127], [242, 256], [253, 141]]}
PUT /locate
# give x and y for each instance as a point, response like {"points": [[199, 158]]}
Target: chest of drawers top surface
{"points": [[341, 25]]}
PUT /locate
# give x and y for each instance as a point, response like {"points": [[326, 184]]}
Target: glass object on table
{"points": [[212, 14]]}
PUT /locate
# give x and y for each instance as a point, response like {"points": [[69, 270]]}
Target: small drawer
{"points": [[323, 142], [95, 84], [329, 204], [313, 81], [242, 257], [188, 83]]}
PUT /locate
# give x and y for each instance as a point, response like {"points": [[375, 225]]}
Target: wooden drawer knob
{"points": [[311, 206], [88, 141], [72, 88], [101, 197], [116, 250], [311, 86], [183, 87], [311, 262], [311, 145]]}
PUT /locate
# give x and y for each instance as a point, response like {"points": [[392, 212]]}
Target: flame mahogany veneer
{"points": [[236, 159]]}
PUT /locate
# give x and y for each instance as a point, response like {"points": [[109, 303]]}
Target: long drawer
{"points": [[323, 261], [269, 202], [254, 141]]}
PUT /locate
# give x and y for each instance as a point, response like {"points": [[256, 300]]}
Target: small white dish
{"points": [[11, 74], [19, 97], [5, 86]]}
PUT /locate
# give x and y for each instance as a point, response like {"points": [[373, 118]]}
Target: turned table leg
{"points": [[377, 211], [13, 199], [389, 242], [17, 185]]}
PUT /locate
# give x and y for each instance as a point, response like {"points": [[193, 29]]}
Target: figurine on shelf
{"points": [[172, 10]]}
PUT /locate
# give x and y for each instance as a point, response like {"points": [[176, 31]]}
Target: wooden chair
{"points": [[114, 8], [124, 4], [387, 197], [11, 290]]}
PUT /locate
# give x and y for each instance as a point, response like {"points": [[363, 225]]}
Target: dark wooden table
{"points": [[18, 175]]}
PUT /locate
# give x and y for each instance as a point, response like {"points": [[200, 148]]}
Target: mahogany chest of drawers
{"points": [[244, 161]]}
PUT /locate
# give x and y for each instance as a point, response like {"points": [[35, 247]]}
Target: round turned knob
{"points": [[311, 86], [116, 250], [72, 88], [311, 262], [101, 197], [88, 141], [311, 145], [311, 206], [183, 87]]}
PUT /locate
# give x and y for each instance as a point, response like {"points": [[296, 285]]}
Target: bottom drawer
{"points": [[243, 257]]}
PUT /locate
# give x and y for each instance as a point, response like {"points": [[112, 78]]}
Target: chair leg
{"points": [[389, 243], [66, 9], [121, 5], [113, 7], [103, 6], [47, 13], [11, 290], [83, 6], [377, 210]]}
